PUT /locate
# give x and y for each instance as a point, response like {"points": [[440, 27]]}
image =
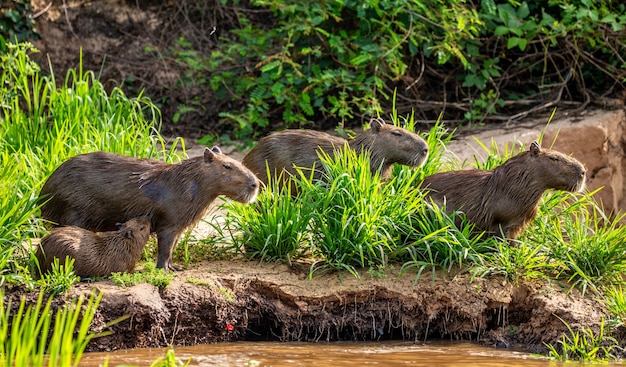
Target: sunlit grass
{"points": [[436, 240], [148, 274], [60, 278], [274, 228], [586, 345], [35, 335], [586, 247]]}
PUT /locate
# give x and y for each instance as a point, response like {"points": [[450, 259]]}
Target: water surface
{"points": [[335, 354]]}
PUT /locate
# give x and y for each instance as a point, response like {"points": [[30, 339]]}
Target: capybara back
{"points": [[387, 144]]}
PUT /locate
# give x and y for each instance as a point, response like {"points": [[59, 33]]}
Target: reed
{"points": [[35, 335]]}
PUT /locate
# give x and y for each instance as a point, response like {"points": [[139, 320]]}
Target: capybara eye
{"points": [[227, 166], [396, 133], [554, 159]]}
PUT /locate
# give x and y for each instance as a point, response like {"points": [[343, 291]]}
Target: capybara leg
{"points": [[167, 240]]}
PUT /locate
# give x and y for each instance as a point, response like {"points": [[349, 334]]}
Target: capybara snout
{"points": [[96, 190], [559, 171]]}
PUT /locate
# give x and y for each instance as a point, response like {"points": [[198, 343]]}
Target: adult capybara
{"points": [[504, 200], [96, 190], [95, 254], [387, 144]]}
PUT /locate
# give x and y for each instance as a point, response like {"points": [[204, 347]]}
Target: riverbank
{"points": [[240, 300]]}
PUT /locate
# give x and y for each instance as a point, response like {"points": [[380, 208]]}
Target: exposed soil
{"points": [[277, 302]]}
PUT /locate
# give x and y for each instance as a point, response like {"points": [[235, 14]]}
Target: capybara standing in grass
{"points": [[387, 144], [95, 254], [504, 200], [96, 190]]}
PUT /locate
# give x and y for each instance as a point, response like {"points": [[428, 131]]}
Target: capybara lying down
{"points": [[95, 254], [387, 144], [96, 190], [504, 200]]}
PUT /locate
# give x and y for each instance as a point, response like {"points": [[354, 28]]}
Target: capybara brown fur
{"points": [[504, 200], [284, 150], [96, 190], [95, 254]]}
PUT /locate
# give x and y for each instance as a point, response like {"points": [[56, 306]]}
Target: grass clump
{"points": [[585, 345], [149, 274], [275, 228], [60, 278], [35, 336]]}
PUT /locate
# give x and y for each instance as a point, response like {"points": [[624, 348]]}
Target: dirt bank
{"points": [[276, 302]]}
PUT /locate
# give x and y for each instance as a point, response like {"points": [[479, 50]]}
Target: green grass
{"points": [[585, 345], [275, 228], [149, 274], [35, 336], [60, 278]]}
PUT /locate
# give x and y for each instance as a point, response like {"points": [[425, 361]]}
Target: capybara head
{"points": [[549, 169], [136, 230], [230, 177], [391, 144]]}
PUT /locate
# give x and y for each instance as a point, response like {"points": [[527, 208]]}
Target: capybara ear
{"points": [[209, 155], [534, 148], [377, 124], [129, 233]]}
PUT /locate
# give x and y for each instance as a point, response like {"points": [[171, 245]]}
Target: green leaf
{"points": [[517, 31], [512, 42], [360, 59], [523, 11], [305, 103], [501, 30], [270, 66], [488, 6]]}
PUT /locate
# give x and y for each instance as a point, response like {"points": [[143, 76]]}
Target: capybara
{"points": [[95, 254], [504, 200], [387, 144], [96, 190]]}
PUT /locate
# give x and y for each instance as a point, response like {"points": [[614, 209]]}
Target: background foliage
{"points": [[240, 68], [16, 22], [339, 62]]}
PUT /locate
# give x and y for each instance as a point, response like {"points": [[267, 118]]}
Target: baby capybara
{"points": [[95, 254], [387, 144], [504, 200], [96, 190]]}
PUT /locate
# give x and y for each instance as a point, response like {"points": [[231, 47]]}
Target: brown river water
{"points": [[336, 354]]}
